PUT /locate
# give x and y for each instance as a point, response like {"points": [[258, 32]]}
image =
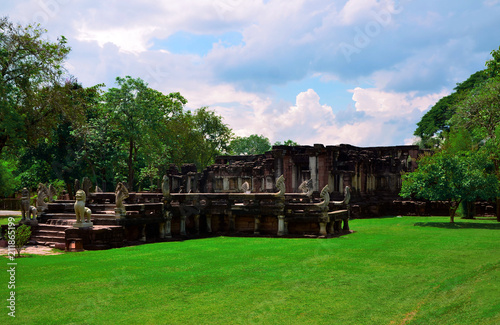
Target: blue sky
{"points": [[361, 72]]}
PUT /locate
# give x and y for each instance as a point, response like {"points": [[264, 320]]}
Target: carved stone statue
{"points": [[306, 187], [121, 193], [280, 185], [42, 194], [51, 192], [245, 187], [86, 186], [25, 203], [82, 213], [347, 197], [325, 196], [77, 186], [165, 186], [28, 212]]}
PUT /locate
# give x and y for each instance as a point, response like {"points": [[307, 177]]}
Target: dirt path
{"points": [[10, 213], [33, 249]]}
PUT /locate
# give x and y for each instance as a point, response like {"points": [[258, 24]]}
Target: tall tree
{"points": [[139, 116], [32, 89], [212, 136], [251, 145], [479, 113]]}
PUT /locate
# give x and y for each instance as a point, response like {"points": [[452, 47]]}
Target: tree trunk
{"points": [[498, 209], [130, 164], [453, 209]]}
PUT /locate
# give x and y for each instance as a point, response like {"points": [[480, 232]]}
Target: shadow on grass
{"points": [[459, 225]]}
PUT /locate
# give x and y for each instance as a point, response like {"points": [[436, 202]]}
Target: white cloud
{"points": [[132, 40], [384, 104], [420, 51]]}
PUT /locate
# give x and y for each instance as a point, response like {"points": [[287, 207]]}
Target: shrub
{"points": [[23, 234]]}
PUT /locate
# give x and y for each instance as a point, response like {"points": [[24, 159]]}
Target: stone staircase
{"points": [[52, 234], [60, 216]]}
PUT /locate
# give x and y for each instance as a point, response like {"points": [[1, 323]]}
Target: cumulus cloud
{"points": [[378, 118], [403, 56]]}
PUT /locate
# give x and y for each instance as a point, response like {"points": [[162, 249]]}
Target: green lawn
{"points": [[410, 270], [5, 219]]}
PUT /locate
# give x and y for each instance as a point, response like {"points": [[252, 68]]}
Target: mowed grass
{"points": [[409, 270]]}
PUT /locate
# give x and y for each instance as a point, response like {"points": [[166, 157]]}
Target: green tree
{"points": [[32, 89], [479, 114], [286, 143], [436, 122], [451, 177], [251, 145], [8, 182], [55, 156], [200, 137], [138, 116], [493, 65]]}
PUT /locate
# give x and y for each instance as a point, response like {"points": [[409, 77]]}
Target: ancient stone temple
{"points": [[289, 191], [373, 174]]}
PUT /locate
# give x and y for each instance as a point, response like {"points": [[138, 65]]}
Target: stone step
{"points": [[59, 222], [46, 240], [72, 216], [69, 206], [52, 227], [48, 233]]}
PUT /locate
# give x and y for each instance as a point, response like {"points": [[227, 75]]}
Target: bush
{"points": [[23, 234]]}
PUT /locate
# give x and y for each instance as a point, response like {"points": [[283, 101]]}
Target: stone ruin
{"points": [[373, 174], [288, 191]]}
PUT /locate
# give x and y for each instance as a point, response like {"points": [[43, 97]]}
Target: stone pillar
{"points": [[161, 227], [346, 225], [313, 167], [323, 221], [225, 184], [257, 225], [143, 238], [168, 225], [183, 225], [322, 228], [197, 223], [337, 225], [209, 223], [331, 229], [281, 225], [232, 222]]}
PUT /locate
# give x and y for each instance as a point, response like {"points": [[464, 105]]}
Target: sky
{"points": [[360, 72]]}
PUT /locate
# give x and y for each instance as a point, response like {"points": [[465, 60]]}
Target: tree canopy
{"points": [[437, 120], [451, 177], [251, 145], [286, 143], [462, 127], [33, 94], [52, 129]]}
